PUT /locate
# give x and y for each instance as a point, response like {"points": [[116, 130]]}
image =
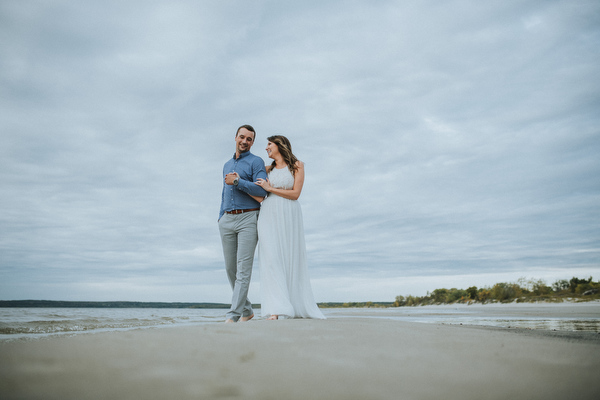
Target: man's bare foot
{"points": [[229, 321], [273, 318], [244, 319]]}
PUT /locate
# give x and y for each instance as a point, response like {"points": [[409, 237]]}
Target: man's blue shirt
{"points": [[249, 167]]}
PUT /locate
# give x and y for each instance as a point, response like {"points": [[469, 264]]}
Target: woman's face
{"points": [[272, 150]]}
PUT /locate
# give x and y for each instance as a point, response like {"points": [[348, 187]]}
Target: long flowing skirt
{"points": [[284, 280]]}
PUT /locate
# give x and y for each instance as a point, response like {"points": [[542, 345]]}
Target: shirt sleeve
{"points": [[258, 171], [221, 209]]}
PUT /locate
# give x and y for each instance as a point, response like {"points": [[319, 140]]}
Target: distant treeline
{"points": [[521, 291], [105, 304], [376, 304], [142, 304]]}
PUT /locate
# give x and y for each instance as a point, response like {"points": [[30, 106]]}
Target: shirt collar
{"points": [[242, 155]]}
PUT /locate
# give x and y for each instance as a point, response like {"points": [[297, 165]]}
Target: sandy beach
{"points": [[346, 358]]}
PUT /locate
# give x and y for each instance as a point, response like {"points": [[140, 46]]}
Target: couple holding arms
{"points": [[250, 187]]}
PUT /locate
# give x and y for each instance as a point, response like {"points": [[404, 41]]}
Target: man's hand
{"points": [[230, 177]]}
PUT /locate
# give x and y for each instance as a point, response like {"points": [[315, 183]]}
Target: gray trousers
{"points": [[239, 238]]}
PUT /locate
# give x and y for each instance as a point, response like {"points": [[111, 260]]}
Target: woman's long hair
{"points": [[285, 149]]}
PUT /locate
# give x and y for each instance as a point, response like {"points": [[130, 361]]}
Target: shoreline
{"points": [[338, 358], [38, 323], [563, 317]]}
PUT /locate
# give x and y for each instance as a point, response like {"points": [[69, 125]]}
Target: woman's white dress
{"points": [[284, 280]]}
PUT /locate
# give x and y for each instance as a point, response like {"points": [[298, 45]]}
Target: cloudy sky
{"points": [[447, 144]]}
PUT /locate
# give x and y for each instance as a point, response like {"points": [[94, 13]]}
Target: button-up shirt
{"points": [[236, 197]]}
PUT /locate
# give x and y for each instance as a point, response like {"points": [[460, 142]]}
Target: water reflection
{"points": [[558, 317], [547, 324]]}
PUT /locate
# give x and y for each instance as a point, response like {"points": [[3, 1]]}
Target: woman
{"points": [[284, 281]]}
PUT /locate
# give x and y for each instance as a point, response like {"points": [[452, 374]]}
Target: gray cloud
{"points": [[445, 144]]}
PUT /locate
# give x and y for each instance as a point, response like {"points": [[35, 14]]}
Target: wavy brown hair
{"points": [[285, 149]]}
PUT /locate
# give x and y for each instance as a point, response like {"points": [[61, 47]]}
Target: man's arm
{"points": [[258, 171], [221, 211]]}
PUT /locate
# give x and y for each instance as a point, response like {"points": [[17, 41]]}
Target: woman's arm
{"points": [[291, 194]]}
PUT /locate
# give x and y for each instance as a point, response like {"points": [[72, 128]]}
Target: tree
{"points": [[574, 282], [472, 292], [413, 301], [455, 295], [539, 287], [484, 295], [400, 301], [560, 285], [440, 295], [505, 291]]}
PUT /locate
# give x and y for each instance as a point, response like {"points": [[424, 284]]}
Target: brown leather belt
{"points": [[241, 211]]}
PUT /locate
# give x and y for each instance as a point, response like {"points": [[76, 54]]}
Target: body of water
{"points": [[18, 323], [40, 322], [549, 316]]}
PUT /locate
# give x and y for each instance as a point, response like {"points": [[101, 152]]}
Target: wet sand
{"points": [[338, 358]]}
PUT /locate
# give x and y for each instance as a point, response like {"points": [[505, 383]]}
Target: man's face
{"points": [[244, 140]]}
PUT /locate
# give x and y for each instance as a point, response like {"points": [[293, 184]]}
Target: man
{"points": [[237, 220]]}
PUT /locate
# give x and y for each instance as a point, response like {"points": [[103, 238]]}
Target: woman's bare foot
{"points": [[273, 317], [244, 319]]}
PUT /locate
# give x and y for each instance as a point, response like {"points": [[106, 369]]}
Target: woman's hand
{"points": [[263, 183]]}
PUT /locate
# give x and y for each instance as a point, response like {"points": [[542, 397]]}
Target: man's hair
{"points": [[250, 128]]}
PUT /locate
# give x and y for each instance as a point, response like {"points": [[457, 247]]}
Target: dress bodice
{"points": [[281, 178]]}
